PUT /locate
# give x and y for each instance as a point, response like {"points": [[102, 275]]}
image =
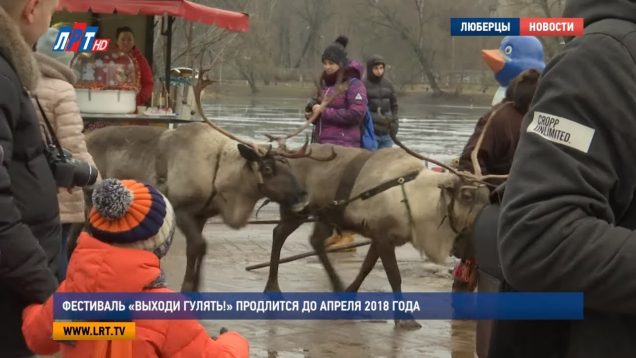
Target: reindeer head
{"points": [[461, 201], [275, 178], [463, 196]]}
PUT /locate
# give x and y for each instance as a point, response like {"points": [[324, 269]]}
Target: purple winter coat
{"points": [[340, 122]]}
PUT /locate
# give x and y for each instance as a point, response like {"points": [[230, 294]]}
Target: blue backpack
{"points": [[367, 133]]}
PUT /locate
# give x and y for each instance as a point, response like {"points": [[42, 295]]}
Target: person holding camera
{"points": [[30, 230], [56, 95]]}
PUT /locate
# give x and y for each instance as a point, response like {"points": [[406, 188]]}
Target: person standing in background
{"points": [[57, 97], [382, 101], [125, 39], [340, 122]]}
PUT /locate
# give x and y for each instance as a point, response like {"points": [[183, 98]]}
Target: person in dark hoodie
{"points": [[30, 231], [568, 215], [382, 101]]}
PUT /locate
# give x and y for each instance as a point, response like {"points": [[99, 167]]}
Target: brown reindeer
{"points": [[202, 172], [390, 198], [431, 212]]}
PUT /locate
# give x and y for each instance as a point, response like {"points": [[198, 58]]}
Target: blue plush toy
{"points": [[515, 55]]}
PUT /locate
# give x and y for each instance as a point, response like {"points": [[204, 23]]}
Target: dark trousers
{"points": [[63, 256]]}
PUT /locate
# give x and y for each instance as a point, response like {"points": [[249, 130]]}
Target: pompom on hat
{"points": [[130, 213], [336, 51], [47, 41]]}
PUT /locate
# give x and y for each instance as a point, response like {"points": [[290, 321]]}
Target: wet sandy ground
{"points": [[230, 251]]}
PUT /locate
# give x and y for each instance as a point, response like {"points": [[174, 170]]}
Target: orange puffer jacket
{"points": [[99, 267]]}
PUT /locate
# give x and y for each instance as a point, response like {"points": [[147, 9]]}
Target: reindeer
{"points": [[393, 199], [204, 171], [203, 174]]}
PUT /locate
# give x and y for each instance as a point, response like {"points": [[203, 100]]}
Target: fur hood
{"points": [[17, 52], [52, 68]]}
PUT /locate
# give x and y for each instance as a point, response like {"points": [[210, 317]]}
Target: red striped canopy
{"points": [[230, 20]]}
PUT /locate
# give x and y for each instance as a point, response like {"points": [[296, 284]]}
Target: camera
{"points": [[69, 172]]}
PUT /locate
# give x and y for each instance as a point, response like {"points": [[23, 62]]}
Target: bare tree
{"points": [[544, 8], [314, 14], [193, 38], [414, 36], [286, 37], [255, 53]]}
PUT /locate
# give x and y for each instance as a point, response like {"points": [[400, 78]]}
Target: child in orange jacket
{"points": [[131, 227]]}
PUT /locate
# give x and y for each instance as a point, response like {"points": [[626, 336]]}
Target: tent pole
{"points": [[149, 44], [169, 52]]}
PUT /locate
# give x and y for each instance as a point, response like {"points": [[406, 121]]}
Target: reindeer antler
{"points": [[474, 155], [304, 152], [477, 175], [198, 87], [422, 157], [325, 102]]}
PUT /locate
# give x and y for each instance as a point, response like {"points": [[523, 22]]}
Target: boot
{"points": [[338, 240]]}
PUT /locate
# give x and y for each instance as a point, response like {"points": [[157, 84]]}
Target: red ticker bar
{"points": [[545, 26]]}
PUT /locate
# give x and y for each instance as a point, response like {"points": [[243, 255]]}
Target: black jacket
{"points": [[569, 210], [381, 95], [30, 231]]}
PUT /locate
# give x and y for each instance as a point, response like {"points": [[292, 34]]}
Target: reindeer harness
{"points": [[254, 168], [334, 213]]}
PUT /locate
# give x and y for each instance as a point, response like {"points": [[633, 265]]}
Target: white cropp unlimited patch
{"points": [[562, 131]]}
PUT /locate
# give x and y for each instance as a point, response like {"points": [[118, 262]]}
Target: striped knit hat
{"points": [[132, 214]]}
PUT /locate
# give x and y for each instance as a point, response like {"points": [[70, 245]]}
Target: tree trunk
{"points": [[252, 82], [437, 91], [308, 43], [433, 82]]}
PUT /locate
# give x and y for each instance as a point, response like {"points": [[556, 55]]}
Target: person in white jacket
{"points": [[56, 94]]}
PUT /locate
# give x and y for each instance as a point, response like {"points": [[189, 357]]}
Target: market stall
{"points": [[107, 81]]}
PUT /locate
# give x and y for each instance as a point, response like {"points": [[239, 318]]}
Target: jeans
{"points": [[63, 257], [384, 141]]}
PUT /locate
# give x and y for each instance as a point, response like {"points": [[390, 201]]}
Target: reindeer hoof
{"points": [[407, 324]]}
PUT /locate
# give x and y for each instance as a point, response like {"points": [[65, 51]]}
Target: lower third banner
{"points": [[317, 306]]}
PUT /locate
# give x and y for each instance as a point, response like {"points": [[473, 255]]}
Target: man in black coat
{"points": [[30, 230], [382, 102], [568, 216]]}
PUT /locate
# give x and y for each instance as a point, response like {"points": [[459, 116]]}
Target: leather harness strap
{"points": [[334, 213], [387, 185]]}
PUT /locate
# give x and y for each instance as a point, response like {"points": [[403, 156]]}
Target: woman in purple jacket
{"points": [[341, 120]]}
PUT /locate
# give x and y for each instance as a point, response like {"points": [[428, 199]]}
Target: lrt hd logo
{"points": [[79, 38]]}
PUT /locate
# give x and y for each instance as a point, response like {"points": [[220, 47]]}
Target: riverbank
{"points": [[228, 90]]}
